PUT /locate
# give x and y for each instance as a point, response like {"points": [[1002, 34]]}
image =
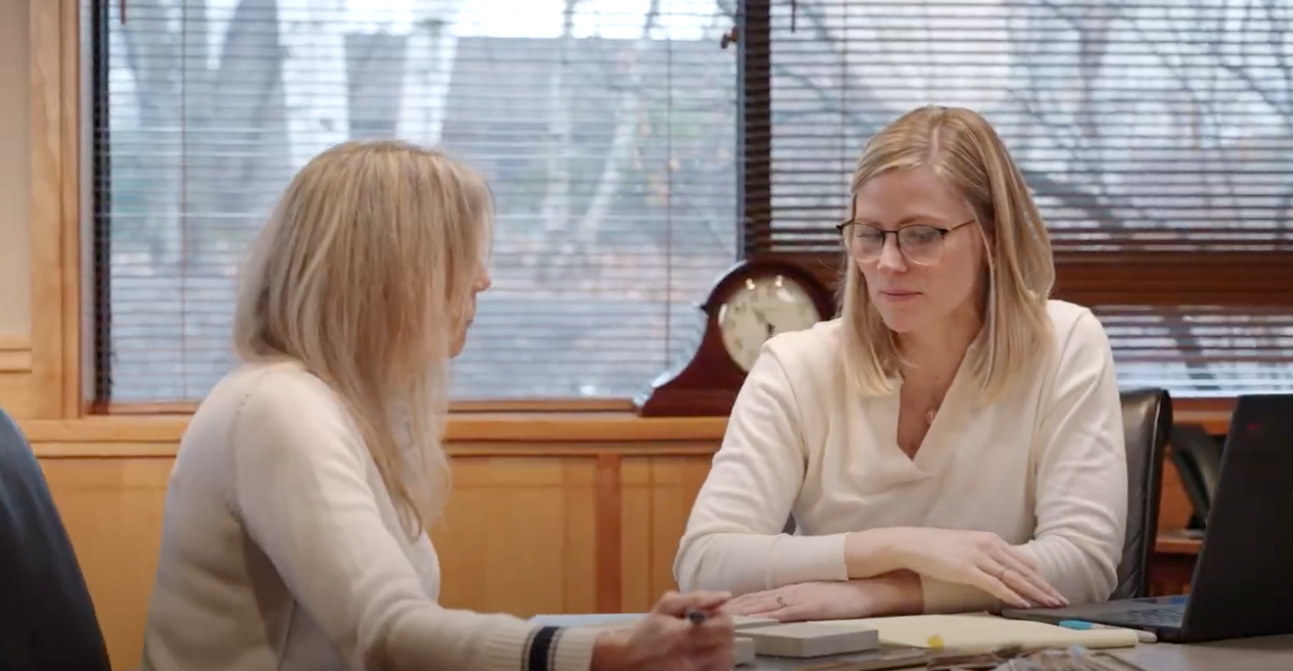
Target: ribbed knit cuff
{"points": [[950, 597], [796, 559], [575, 649], [526, 647]]}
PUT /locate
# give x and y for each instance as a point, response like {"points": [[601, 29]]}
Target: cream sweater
{"points": [[281, 550], [1043, 466]]}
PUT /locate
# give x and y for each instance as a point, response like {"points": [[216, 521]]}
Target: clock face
{"points": [[759, 309]]}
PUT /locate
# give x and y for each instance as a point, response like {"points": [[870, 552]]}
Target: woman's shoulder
{"points": [[1076, 329], [813, 351], [807, 360], [274, 385], [273, 396]]}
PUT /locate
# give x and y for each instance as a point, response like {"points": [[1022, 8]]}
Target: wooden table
{"points": [[1270, 653], [1172, 566]]}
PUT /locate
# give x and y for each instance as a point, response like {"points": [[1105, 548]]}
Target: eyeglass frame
{"points": [[884, 236]]}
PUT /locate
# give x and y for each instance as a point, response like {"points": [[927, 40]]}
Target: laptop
{"points": [[1243, 577]]}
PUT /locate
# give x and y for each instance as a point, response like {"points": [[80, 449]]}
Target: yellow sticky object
{"points": [[935, 641]]}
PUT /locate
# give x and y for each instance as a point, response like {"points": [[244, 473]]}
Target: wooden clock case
{"points": [[707, 384]]}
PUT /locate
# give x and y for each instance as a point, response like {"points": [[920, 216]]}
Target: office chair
{"points": [[1197, 457], [47, 620], [1146, 425]]}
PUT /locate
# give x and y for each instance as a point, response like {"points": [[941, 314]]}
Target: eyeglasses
{"points": [[921, 244]]}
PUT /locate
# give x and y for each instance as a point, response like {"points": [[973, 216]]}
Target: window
{"points": [[607, 129], [1156, 136]]}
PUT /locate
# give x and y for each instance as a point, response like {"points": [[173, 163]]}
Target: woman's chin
{"points": [[899, 322]]}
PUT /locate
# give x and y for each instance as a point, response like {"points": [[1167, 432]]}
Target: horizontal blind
{"points": [[607, 130], [1156, 125], [1163, 126], [1201, 350]]}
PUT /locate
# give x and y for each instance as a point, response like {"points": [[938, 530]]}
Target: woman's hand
{"points": [[977, 558], [808, 601], [667, 639]]}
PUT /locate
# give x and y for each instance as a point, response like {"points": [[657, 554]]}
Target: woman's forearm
{"points": [[872, 553], [741, 563], [895, 593]]}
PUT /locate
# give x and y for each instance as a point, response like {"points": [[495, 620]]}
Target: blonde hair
{"points": [[961, 147], [362, 274]]}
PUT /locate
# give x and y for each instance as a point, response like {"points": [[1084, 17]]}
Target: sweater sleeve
{"points": [[301, 494], [733, 540], [1080, 466]]}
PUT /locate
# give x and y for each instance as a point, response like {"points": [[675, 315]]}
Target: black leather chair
{"points": [[47, 620], [1197, 457], [1146, 425]]}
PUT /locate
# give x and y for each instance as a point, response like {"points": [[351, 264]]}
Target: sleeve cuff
{"points": [[949, 597], [574, 650], [796, 559], [544, 648]]}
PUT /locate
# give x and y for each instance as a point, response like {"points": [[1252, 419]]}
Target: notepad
{"points": [[812, 639], [982, 632]]}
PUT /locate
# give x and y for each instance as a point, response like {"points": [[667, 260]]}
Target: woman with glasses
{"points": [[953, 441]]}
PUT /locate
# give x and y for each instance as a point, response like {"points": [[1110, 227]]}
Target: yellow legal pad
{"points": [[982, 632]]}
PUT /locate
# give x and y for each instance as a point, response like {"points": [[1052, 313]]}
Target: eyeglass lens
{"points": [[920, 244]]}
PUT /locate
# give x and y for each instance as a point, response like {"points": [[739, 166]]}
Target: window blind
{"points": [[606, 127], [1157, 137]]}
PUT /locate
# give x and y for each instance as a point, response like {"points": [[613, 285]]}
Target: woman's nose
{"points": [[891, 258]]}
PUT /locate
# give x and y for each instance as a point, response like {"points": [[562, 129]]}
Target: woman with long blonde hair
{"points": [[952, 441], [294, 534]]}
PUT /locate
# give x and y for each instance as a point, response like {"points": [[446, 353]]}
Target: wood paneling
{"points": [[656, 500], [556, 528], [15, 375], [54, 210], [112, 509]]}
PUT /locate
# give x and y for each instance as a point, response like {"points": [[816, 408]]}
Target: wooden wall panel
{"points": [[658, 493], [112, 509], [522, 534], [518, 535], [15, 376]]}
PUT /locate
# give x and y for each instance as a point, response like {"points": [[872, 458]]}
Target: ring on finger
{"points": [[1002, 574], [781, 602]]}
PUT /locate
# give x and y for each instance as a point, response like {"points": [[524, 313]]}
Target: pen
{"points": [[1082, 625]]}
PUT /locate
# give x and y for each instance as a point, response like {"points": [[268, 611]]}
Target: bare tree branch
{"points": [[625, 136], [556, 198]]}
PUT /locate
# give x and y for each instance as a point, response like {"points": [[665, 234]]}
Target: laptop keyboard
{"points": [[1165, 616]]}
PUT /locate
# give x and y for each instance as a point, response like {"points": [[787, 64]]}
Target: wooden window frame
{"points": [[61, 330], [1257, 279]]}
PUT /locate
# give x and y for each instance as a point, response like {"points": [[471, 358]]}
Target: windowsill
{"points": [[158, 435], [519, 432]]}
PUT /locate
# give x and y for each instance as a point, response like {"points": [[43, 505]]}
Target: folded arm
{"points": [[301, 494], [733, 540], [1082, 488], [1081, 481]]}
